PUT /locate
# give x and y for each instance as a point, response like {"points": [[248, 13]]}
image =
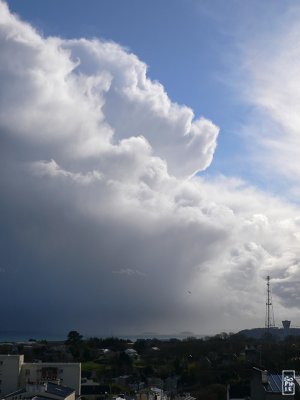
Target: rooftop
{"points": [[58, 390]]}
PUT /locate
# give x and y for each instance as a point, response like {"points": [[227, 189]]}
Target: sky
{"points": [[149, 165]]}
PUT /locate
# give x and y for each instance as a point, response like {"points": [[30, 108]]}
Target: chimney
{"points": [[264, 376]]}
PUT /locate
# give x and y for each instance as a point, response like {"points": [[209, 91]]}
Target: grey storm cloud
{"points": [[105, 226]]}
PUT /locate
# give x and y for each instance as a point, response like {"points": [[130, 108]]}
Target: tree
{"points": [[74, 338], [74, 342]]}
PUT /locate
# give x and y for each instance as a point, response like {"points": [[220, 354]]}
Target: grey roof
{"points": [[19, 391], [274, 383], [51, 388], [58, 390]]}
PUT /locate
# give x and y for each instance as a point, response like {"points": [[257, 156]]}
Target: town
{"points": [[224, 366]]}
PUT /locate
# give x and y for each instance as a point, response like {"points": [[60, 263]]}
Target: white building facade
{"points": [[15, 374], [10, 368]]}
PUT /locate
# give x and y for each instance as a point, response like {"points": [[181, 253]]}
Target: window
{"points": [[49, 373]]}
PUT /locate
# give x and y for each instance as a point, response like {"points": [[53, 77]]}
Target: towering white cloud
{"points": [[101, 229], [90, 98]]}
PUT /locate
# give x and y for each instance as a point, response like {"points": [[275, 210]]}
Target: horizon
{"points": [[30, 336]]}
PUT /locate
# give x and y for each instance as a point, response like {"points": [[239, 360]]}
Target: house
{"points": [[155, 382], [131, 353], [268, 386], [15, 374], [152, 393], [45, 391], [91, 390], [252, 353], [185, 396]]}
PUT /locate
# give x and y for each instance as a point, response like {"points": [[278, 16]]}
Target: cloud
{"points": [[97, 173], [272, 88], [116, 101], [129, 272]]}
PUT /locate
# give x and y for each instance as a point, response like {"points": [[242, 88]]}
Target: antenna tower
{"points": [[269, 321]]}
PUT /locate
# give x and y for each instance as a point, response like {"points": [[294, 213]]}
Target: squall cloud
{"points": [[105, 225]]}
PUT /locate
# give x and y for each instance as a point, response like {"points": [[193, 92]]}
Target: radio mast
{"points": [[269, 321]]}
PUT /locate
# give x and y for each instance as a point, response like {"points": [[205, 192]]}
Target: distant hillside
{"points": [[278, 333]]}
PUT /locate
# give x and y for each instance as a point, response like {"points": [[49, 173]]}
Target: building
{"points": [[153, 393], [10, 368], [15, 374], [131, 353], [268, 386], [91, 390], [45, 391]]}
